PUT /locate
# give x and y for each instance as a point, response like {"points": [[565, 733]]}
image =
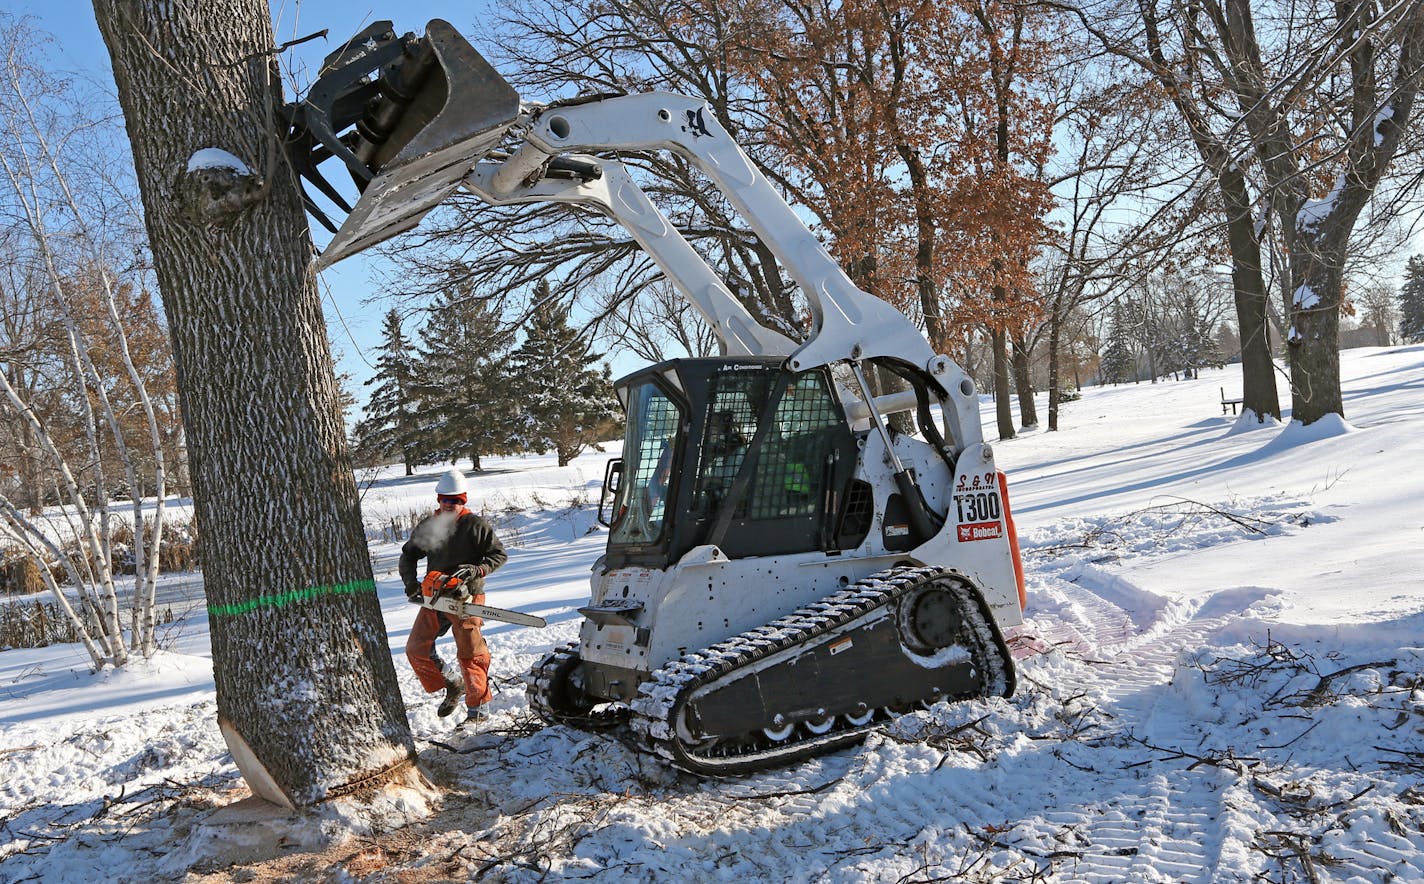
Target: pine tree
{"points": [[1411, 301], [1197, 346], [568, 403], [464, 396], [1118, 364], [391, 426]]}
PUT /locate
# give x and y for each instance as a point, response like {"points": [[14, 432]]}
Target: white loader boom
{"points": [[847, 324], [456, 146]]}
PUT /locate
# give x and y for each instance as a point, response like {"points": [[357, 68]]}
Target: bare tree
{"points": [[658, 325], [306, 690], [1111, 187], [1375, 304], [1317, 98], [1173, 54], [1326, 108], [50, 317]]}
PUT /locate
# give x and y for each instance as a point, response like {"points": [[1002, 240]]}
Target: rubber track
{"points": [[538, 683], [661, 696]]}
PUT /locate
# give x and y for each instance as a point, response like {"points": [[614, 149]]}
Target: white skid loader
{"points": [[785, 570]]}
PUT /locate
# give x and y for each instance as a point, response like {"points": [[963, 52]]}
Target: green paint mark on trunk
{"points": [[281, 600]]}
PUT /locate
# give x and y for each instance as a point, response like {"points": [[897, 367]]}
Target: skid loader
{"points": [[786, 566]]}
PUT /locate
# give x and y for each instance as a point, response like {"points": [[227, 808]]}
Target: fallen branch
{"points": [[988, 841], [1298, 846], [1412, 761], [1317, 696], [1227, 760], [1297, 737]]}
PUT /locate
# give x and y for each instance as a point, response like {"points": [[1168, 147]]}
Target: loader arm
{"points": [[848, 324], [466, 126]]}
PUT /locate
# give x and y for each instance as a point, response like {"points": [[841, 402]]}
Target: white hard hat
{"points": [[453, 482]]}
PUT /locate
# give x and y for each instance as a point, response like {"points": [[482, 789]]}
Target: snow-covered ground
{"points": [[1221, 678]]}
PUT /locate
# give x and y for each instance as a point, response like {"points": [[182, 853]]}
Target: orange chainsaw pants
{"points": [[470, 649]]}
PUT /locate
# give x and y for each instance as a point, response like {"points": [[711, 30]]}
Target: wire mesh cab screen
{"points": [[692, 427], [800, 470], [649, 449]]}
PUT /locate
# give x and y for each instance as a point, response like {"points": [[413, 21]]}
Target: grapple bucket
{"points": [[424, 111]]}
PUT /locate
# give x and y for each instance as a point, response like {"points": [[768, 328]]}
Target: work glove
{"points": [[412, 593]]}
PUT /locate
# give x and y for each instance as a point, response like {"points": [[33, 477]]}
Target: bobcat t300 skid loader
{"points": [[784, 569]]}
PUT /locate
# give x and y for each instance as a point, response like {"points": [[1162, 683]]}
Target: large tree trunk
{"points": [[1002, 409], [306, 690], [1055, 336], [1023, 383], [925, 220], [1258, 370], [1313, 339]]}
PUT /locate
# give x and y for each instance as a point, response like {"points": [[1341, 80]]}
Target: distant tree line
{"points": [[465, 388]]}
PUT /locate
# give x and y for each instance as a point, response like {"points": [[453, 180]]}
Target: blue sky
{"points": [[353, 318]]}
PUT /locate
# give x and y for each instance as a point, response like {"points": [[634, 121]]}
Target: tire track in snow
{"points": [[1152, 836], [1128, 655], [1073, 619], [1384, 857], [1163, 827]]}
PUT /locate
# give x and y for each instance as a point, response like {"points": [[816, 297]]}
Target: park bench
{"points": [[1229, 403]]}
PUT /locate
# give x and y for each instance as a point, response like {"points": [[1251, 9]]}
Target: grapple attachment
{"points": [[421, 112]]}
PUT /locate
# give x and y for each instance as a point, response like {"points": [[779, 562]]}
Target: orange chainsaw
{"points": [[451, 593]]}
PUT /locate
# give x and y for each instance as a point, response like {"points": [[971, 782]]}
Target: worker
{"points": [[451, 539]]}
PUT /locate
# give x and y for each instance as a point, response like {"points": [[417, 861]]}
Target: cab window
{"points": [[649, 447]]}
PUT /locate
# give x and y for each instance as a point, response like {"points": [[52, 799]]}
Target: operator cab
{"points": [[734, 452]]}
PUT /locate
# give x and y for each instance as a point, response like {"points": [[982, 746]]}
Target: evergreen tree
{"points": [[1118, 364], [568, 403], [1196, 345], [1411, 301], [391, 426], [464, 397]]}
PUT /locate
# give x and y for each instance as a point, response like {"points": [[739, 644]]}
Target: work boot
{"points": [[454, 690], [475, 718]]}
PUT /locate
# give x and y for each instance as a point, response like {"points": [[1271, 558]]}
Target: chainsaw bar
{"points": [[470, 609]]}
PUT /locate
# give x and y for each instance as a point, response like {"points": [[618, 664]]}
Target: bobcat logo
{"points": [[695, 124]]}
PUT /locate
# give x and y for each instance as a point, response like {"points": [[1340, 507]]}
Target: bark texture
{"points": [[300, 655], [1003, 412], [1258, 369]]}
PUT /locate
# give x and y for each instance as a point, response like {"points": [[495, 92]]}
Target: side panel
{"points": [[976, 538], [703, 599]]}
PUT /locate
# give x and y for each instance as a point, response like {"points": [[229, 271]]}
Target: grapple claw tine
{"points": [[421, 112]]}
